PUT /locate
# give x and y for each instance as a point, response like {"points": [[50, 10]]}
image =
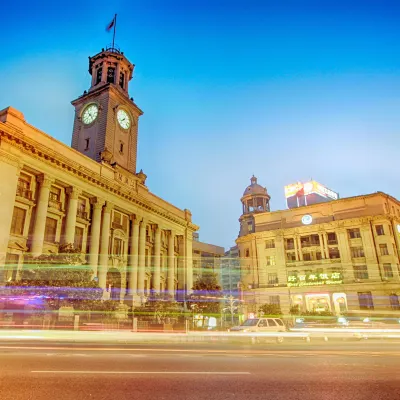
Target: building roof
{"points": [[254, 188]]}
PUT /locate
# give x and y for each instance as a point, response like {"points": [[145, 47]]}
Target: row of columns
{"points": [[99, 241]]}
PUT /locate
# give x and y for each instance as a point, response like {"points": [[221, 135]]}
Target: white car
{"points": [[260, 325]]}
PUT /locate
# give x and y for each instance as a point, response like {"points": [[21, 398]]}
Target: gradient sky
{"points": [[287, 90]]}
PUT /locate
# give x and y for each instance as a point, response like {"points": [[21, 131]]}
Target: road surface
{"points": [[42, 370]]}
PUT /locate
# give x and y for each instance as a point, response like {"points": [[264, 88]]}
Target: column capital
{"points": [[10, 159], [108, 207], [45, 180], [97, 202], [73, 192]]}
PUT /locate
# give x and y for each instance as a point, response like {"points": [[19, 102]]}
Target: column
{"points": [[70, 223], [41, 214], [371, 254], [157, 260], [263, 269], [345, 257], [321, 244], [325, 235], [141, 258], [299, 248], [133, 257], [171, 265], [104, 243], [296, 248], [95, 235], [189, 261], [9, 171]]}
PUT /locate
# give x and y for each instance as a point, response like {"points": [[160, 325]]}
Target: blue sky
{"points": [[287, 90]]}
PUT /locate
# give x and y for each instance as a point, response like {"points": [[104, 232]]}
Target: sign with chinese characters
{"points": [[126, 180], [315, 279], [310, 187]]}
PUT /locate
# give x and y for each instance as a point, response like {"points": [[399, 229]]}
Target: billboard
{"points": [[303, 194]]}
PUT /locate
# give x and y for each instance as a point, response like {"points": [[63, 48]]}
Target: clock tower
{"points": [[106, 119]]}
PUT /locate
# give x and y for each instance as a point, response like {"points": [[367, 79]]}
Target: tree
{"points": [[270, 309], [207, 294]]}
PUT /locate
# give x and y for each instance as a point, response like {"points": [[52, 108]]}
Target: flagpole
{"points": [[115, 24]]}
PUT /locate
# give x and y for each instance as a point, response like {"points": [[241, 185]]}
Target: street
{"points": [[354, 370]]}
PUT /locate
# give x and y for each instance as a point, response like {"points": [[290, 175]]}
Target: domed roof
{"points": [[255, 188]]}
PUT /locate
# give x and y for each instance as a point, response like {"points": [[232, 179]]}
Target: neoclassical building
{"points": [[339, 256], [91, 195]]}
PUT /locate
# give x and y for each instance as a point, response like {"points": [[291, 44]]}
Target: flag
{"points": [[110, 25]]}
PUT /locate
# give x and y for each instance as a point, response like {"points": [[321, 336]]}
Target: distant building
{"points": [[340, 256], [206, 257], [230, 272], [306, 194]]}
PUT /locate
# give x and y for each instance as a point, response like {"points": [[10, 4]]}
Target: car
{"points": [[260, 325]]}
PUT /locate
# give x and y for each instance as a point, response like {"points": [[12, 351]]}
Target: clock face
{"points": [[90, 114], [123, 119], [306, 220]]}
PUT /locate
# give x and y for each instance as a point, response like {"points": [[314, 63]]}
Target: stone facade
{"points": [[340, 256], [92, 197]]}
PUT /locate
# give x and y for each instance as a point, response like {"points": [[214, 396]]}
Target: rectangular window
{"points": [[50, 230], [98, 75], [357, 252], [55, 194], [318, 255], [121, 79], [121, 148], [118, 247], [360, 271], [332, 239], [250, 226], [354, 233], [110, 75], [275, 300], [87, 143], [18, 221], [289, 245], [125, 223], [272, 279], [247, 253], [270, 244], [270, 260], [365, 301], [78, 238], [291, 256], [384, 249], [388, 270], [307, 256], [11, 266], [394, 302], [379, 230], [334, 253]]}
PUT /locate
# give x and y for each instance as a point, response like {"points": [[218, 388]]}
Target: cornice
{"points": [[61, 162]]}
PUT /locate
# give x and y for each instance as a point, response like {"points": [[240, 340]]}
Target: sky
{"points": [[284, 90]]}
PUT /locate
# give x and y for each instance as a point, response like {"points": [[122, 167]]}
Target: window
{"points": [[250, 226], [275, 300], [354, 233], [11, 266], [394, 301], [270, 244], [279, 321], [357, 252], [388, 270], [24, 185], [384, 249], [270, 260], [365, 301], [55, 194], [247, 253], [379, 230], [289, 244], [98, 75], [334, 253], [78, 238], [110, 75], [332, 239], [121, 148], [360, 271], [18, 221], [87, 143], [272, 279], [50, 230], [121, 79], [291, 256], [118, 247], [81, 210], [271, 322], [318, 255], [307, 256]]}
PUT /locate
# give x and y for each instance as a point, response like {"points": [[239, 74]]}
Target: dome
{"points": [[254, 188]]}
